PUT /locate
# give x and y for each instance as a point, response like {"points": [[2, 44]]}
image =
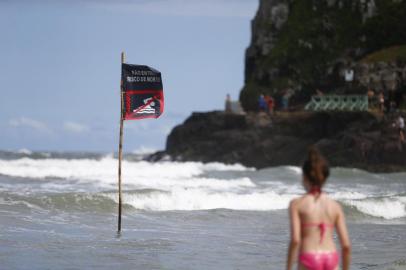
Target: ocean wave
{"points": [[192, 185], [295, 169], [105, 169], [195, 199], [64, 202], [387, 207], [24, 151], [348, 195], [256, 200], [178, 199]]}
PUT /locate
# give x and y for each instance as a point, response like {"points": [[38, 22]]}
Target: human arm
{"points": [[294, 234], [344, 239]]}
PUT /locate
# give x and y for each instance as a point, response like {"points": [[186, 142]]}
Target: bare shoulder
{"points": [[334, 205], [295, 203]]}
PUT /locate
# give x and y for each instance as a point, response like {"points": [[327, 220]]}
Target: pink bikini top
{"points": [[322, 225]]}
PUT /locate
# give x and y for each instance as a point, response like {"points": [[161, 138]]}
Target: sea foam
{"points": [[105, 169], [387, 208], [198, 199], [186, 186]]}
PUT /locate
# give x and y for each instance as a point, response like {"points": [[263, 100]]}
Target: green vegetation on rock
{"points": [[318, 36], [396, 53]]}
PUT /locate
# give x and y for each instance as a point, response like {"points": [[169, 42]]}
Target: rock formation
{"points": [[361, 140], [302, 45]]}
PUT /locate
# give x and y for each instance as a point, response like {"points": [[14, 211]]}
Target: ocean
{"points": [[59, 211]]}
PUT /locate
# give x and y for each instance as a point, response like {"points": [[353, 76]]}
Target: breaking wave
{"points": [[184, 199], [105, 168], [196, 199], [387, 208], [90, 184]]}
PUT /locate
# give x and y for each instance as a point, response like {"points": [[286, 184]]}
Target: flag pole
{"points": [[120, 148]]}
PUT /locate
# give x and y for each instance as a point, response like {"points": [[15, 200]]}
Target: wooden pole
{"points": [[120, 149]]}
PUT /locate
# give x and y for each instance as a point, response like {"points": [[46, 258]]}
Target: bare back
{"points": [[315, 212]]}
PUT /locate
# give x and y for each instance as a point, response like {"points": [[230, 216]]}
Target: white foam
{"points": [[24, 151], [186, 186], [102, 174], [295, 169], [197, 199], [387, 208], [144, 150], [347, 195], [106, 168], [45, 154], [216, 166]]}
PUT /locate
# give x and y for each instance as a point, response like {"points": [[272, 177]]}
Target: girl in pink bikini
{"points": [[313, 218]]}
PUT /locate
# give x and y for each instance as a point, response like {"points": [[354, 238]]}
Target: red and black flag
{"points": [[143, 92]]}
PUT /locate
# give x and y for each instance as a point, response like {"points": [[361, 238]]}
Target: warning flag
{"points": [[143, 92]]}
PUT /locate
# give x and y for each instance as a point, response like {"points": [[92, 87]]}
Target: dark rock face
{"points": [[381, 75], [360, 140], [301, 45], [298, 46]]}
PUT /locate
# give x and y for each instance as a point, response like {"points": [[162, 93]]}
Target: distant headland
{"points": [[348, 139], [301, 49]]}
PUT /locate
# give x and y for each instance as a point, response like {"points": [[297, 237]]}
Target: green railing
{"points": [[338, 103]]}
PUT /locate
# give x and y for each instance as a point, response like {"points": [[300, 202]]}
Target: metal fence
{"points": [[338, 103]]}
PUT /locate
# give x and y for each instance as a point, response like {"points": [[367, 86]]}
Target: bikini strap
{"points": [[322, 226]]}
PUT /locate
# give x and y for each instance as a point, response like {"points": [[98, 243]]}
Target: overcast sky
{"points": [[60, 67]]}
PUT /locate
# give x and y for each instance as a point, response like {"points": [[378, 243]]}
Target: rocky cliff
{"points": [[302, 45], [361, 140]]}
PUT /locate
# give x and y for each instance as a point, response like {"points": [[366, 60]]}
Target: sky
{"points": [[60, 67]]}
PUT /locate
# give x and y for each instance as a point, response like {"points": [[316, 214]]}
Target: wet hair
{"points": [[316, 168]]}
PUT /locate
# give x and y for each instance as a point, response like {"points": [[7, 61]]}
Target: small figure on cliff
{"points": [[228, 104], [400, 123], [381, 100], [262, 106], [391, 104], [285, 99], [270, 104], [319, 93], [371, 95], [349, 75], [349, 78], [313, 218]]}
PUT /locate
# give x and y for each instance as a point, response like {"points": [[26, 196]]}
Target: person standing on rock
{"points": [[228, 104], [400, 123], [313, 217], [381, 100], [285, 100], [370, 94], [262, 104], [270, 104]]}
